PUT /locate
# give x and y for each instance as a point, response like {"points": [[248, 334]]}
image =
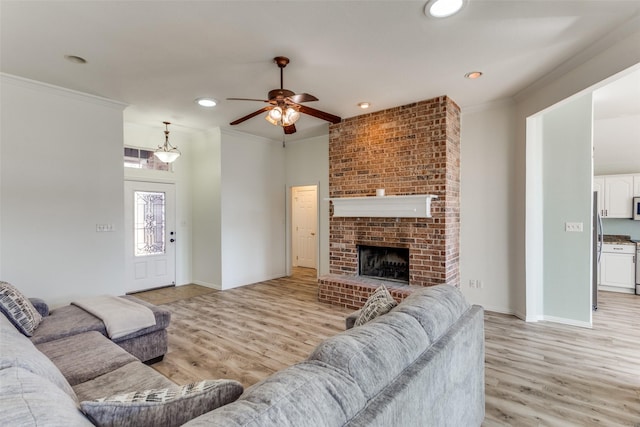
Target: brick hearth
{"points": [[413, 149]]}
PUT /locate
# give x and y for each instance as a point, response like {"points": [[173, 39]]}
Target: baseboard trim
{"points": [[570, 322], [500, 310], [207, 284]]}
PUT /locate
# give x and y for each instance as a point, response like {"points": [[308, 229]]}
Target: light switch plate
{"points": [[573, 226]]}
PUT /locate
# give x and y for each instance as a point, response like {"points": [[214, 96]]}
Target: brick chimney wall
{"points": [[412, 149]]}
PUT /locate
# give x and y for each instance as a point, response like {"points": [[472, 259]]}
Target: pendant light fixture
{"points": [[167, 153]]}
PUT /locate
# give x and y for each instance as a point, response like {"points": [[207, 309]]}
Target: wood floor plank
{"points": [[536, 374]]}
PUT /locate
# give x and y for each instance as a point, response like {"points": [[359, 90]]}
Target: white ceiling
{"points": [[158, 56], [616, 128]]}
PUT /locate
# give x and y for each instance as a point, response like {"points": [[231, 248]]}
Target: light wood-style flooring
{"points": [[537, 374]]}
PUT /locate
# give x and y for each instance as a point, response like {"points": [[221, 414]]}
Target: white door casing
{"points": [[305, 226], [150, 256]]}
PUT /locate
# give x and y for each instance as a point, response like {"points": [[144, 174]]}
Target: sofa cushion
{"points": [[27, 399], [132, 376], [378, 303], [85, 356], [435, 307], [291, 398], [66, 321], [375, 353], [17, 351], [167, 407], [18, 309]]}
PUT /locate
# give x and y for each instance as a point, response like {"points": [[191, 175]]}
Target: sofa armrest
{"points": [[41, 306], [351, 319]]}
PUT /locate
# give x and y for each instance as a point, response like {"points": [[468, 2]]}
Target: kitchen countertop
{"points": [[618, 239]]}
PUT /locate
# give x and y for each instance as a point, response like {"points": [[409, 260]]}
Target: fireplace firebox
{"points": [[385, 263]]}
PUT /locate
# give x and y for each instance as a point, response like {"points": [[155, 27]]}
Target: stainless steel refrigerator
{"points": [[597, 239]]}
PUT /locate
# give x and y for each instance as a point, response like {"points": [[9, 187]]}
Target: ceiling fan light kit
{"points": [[167, 153], [284, 105]]}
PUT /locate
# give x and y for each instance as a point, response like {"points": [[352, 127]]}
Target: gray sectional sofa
{"points": [[421, 364], [54, 377]]}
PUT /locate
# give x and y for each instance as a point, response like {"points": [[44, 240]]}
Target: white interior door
{"points": [[150, 260], [305, 226]]}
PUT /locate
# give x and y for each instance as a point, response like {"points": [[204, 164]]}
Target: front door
{"points": [[149, 235], [305, 224]]}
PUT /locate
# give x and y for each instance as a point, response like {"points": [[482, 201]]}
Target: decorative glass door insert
{"points": [[149, 223]]}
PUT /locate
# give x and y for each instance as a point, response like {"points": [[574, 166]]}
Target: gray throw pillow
{"points": [[379, 302], [18, 309], [162, 407]]}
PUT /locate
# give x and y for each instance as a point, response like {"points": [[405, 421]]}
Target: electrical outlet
{"points": [[573, 227], [475, 283]]}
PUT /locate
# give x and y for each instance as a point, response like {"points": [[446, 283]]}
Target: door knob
{"points": [[172, 240], [313, 234]]}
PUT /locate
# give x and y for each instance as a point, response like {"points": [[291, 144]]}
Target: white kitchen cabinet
{"points": [[615, 195], [618, 268]]}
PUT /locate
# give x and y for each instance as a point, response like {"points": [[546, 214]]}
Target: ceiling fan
{"points": [[285, 106]]}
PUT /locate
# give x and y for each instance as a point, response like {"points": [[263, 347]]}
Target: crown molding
{"points": [[60, 91]]}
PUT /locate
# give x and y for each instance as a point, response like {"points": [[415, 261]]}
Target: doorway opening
{"points": [[304, 226]]}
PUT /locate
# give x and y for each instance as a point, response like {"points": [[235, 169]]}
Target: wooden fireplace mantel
{"points": [[412, 206]]}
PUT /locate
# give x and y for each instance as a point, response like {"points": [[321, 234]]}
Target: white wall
{"points": [[61, 174], [487, 197], [206, 175], [307, 163], [253, 213], [567, 197]]}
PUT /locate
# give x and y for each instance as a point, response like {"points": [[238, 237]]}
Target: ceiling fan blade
{"points": [[288, 130], [319, 114], [248, 116], [247, 99], [302, 97]]}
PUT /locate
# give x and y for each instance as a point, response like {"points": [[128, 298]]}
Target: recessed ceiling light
{"points": [[75, 59], [364, 105], [473, 75], [443, 8], [206, 102]]}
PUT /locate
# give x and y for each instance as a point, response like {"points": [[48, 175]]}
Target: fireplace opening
{"points": [[384, 263]]}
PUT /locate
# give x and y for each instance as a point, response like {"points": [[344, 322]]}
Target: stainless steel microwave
{"points": [[636, 208]]}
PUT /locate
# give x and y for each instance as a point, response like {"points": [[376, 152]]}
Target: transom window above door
{"points": [[139, 158]]}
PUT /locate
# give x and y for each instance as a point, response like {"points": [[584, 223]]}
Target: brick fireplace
{"points": [[407, 150]]}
